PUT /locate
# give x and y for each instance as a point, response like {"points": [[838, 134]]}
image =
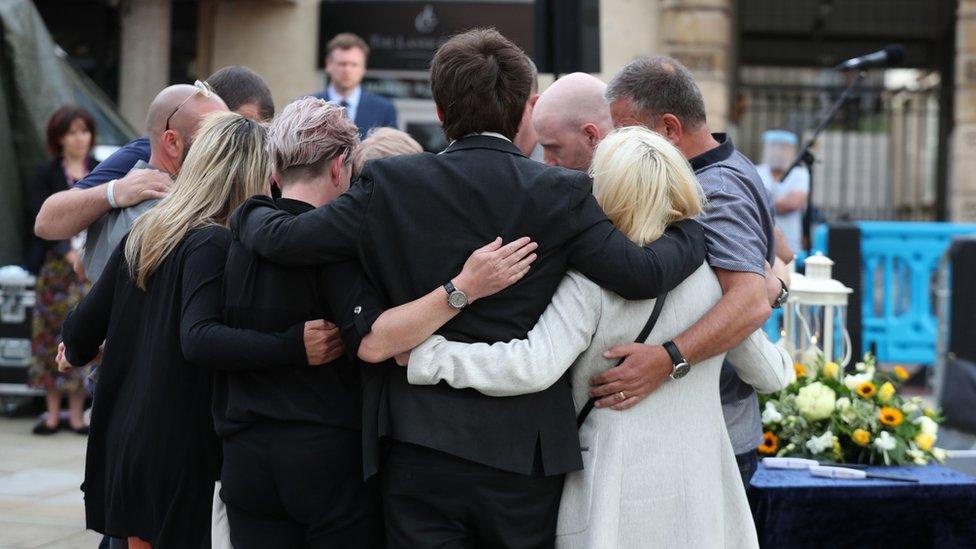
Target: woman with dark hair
{"points": [[70, 138]]}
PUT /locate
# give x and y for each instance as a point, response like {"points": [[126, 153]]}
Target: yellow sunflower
{"points": [[770, 444], [866, 390], [861, 437], [800, 370], [901, 373], [892, 417]]}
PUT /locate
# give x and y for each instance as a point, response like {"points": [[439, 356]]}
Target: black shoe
{"points": [[83, 430], [42, 428]]}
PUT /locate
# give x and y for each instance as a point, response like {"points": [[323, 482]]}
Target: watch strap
{"points": [[674, 353], [449, 287]]}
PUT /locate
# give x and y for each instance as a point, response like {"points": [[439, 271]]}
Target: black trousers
{"points": [[298, 485], [748, 463], [432, 499]]}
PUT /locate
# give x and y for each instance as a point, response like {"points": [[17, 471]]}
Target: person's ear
{"points": [[173, 144], [533, 99], [335, 170], [440, 113], [592, 134], [673, 130]]}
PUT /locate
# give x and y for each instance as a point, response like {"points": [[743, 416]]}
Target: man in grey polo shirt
{"points": [[173, 119], [661, 94]]}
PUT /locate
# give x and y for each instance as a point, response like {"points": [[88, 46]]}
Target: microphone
{"points": [[891, 55]]}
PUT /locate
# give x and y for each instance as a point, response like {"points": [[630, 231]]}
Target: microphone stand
{"points": [[807, 158]]}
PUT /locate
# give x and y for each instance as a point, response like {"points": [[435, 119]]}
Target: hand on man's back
{"points": [[140, 185]]}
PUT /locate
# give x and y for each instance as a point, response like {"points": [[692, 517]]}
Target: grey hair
{"points": [[659, 85], [307, 131]]}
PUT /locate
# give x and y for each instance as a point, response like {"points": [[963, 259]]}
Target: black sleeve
{"points": [[38, 191], [606, 256], [85, 327], [354, 302], [323, 235], [206, 341]]}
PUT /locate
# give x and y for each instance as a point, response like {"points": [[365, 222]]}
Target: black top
{"points": [[153, 454], [414, 220], [265, 296], [48, 179]]}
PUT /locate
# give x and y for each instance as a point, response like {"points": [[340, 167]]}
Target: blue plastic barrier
{"points": [[899, 264]]}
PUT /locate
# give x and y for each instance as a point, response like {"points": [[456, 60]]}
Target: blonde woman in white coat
{"points": [[660, 474]]}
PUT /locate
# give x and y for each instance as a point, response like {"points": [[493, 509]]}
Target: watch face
{"points": [[457, 299], [680, 370]]}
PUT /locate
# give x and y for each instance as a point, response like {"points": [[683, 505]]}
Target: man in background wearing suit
{"points": [[345, 63], [465, 469]]}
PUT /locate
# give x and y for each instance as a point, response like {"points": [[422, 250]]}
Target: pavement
{"points": [[41, 503]]}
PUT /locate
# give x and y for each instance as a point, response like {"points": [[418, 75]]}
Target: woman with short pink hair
{"points": [[292, 437]]}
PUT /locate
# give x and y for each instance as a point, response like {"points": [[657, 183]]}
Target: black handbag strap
{"points": [[641, 338]]}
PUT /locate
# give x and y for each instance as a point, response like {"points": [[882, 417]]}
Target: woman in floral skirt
{"points": [[60, 286]]}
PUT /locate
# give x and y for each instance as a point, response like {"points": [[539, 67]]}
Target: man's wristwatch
{"points": [[784, 294], [455, 298], [680, 365]]}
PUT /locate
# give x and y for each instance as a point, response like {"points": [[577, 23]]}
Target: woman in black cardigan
{"points": [[70, 138]]}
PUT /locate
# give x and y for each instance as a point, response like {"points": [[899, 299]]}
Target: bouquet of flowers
{"points": [[831, 416]]}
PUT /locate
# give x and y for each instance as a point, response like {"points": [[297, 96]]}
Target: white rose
{"points": [[909, 408], [929, 427], [816, 401], [817, 445], [843, 403], [860, 367], [885, 442], [771, 414], [939, 454], [853, 381], [917, 456]]}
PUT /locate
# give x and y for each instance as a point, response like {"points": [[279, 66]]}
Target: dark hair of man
{"points": [[535, 78], [659, 85], [59, 124], [481, 81], [238, 85], [345, 41]]}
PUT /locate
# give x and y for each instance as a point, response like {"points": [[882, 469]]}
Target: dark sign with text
{"points": [[405, 35]]}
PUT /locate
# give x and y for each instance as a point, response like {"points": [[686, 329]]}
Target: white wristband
{"points": [[110, 193]]}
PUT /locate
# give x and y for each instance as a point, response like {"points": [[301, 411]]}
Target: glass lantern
{"points": [[815, 316]]}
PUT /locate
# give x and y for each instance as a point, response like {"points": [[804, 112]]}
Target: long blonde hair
{"points": [[226, 164], [643, 183]]}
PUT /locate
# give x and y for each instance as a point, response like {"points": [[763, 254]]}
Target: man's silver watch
{"points": [[455, 298], [680, 366], [784, 295]]}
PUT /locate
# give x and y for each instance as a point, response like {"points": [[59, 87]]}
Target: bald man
{"points": [[174, 117], [66, 213], [570, 119]]}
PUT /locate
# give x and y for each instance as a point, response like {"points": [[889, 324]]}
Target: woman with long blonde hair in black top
{"points": [[153, 455]]}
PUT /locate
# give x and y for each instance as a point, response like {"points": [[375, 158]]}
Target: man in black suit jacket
{"points": [[345, 63], [463, 467]]}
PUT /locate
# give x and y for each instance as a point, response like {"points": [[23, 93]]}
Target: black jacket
{"points": [[413, 221], [48, 179], [268, 297]]}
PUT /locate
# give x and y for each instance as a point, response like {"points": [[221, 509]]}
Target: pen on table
{"points": [[845, 473], [802, 463]]}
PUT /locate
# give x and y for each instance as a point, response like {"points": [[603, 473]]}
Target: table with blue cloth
{"points": [[792, 508]]}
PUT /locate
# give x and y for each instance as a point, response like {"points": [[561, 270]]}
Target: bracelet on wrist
{"points": [[110, 194]]}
